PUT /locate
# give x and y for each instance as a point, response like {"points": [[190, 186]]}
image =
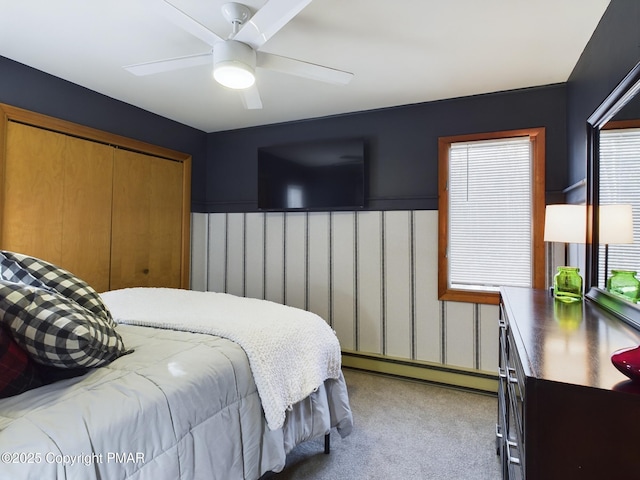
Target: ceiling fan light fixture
{"points": [[234, 75], [234, 64]]}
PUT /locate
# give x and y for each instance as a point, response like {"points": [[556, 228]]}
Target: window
{"points": [[491, 214], [619, 179]]}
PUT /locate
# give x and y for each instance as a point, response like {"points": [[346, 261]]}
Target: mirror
{"points": [[610, 181]]}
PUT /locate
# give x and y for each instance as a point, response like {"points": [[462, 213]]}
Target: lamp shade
{"points": [[565, 223], [616, 224]]}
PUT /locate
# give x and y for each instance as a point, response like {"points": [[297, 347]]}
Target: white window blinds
{"points": [[619, 180], [490, 214]]}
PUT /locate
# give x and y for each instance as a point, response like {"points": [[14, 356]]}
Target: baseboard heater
{"points": [[458, 377]]}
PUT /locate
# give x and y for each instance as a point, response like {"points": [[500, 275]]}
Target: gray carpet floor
{"points": [[404, 430]]}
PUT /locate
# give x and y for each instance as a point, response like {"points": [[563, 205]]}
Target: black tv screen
{"points": [[318, 175]]}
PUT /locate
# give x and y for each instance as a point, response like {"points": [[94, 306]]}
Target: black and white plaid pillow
{"points": [[12, 271], [56, 330], [19, 268]]}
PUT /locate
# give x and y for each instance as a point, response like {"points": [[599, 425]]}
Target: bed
{"points": [[184, 396]]}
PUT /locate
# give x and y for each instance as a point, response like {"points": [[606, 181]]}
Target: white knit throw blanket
{"points": [[291, 351]]}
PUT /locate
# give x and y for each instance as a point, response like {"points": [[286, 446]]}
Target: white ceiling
{"points": [[401, 52]]}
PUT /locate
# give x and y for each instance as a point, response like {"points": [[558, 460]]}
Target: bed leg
{"points": [[327, 444]]}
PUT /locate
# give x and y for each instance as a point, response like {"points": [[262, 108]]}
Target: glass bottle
{"points": [[567, 284], [625, 284]]}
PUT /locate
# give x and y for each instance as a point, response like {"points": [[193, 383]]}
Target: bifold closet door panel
{"points": [[57, 201], [147, 221], [33, 192], [86, 233]]}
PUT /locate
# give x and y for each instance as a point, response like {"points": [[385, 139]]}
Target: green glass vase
{"points": [[625, 284], [567, 284]]}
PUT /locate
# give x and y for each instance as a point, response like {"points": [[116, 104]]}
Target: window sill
{"points": [[467, 296]]}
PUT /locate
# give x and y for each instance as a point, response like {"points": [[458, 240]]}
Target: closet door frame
{"points": [[14, 114]]}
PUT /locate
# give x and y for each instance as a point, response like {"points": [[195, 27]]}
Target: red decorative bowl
{"points": [[627, 361]]}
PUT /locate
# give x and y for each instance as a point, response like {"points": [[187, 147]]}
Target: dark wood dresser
{"points": [[564, 411]]}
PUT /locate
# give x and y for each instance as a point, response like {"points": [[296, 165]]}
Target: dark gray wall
{"points": [[403, 146], [25, 87], [614, 49], [403, 140]]}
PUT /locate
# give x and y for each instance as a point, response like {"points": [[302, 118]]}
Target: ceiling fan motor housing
{"points": [[235, 13], [234, 64]]}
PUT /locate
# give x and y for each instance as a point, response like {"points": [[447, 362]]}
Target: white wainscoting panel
{"points": [[296, 260], [199, 251], [274, 257], [371, 275], [398, 288], [217, 252], [254, 255], [488, 330], [343, 278], [460, 335], [427, 306], [319, 264], [235, 254]]}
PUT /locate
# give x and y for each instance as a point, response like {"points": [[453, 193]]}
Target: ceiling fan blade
{"points": [[302, 69], [251, 98], [191, 25], [268, 20], [150, 68]]}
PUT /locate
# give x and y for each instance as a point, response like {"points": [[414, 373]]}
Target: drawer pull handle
{"points": [[501, 373], [511, 459], [498, 434], [512, 371]]}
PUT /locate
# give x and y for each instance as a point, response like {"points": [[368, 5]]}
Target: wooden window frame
{"points": [[537, 137]]}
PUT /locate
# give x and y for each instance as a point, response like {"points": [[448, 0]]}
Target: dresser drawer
{"points": [[516, 386], [509, 430]]}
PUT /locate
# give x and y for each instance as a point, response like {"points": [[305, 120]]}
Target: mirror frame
{"points": [[618, 98]]}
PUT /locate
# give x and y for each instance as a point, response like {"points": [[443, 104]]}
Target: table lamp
{"points": [[616, 227], [567, 224]]}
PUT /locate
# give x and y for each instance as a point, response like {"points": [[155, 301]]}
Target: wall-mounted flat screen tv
{"points": [[317, 175]]}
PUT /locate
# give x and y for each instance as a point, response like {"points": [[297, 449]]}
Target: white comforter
{"points": [[291, 352]]}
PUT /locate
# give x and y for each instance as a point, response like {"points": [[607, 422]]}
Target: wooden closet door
{"points": [[147, 221], [57, 201], [86, 233], [33, 192]]}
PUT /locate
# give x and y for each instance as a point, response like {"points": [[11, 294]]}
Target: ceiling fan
{"points": [[235, 59]]}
